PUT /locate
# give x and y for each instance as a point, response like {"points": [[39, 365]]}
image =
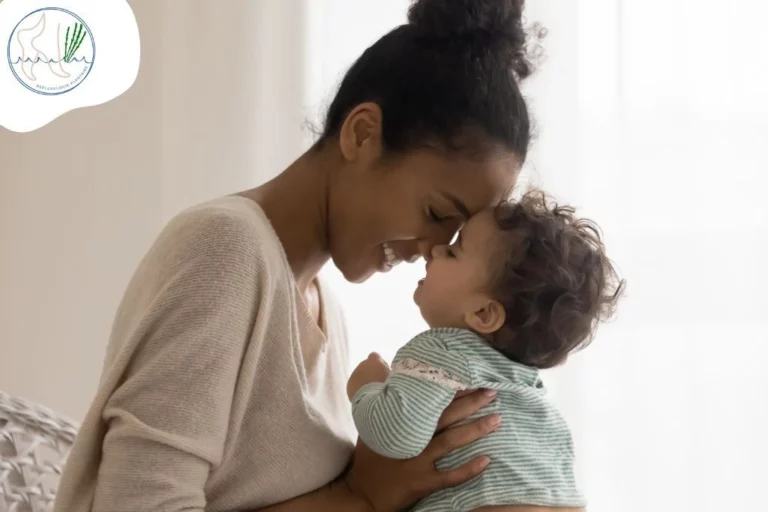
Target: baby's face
{"points": [[458, 275]]}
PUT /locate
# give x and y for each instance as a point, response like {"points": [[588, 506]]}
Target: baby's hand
{"points": [[373, 369]]}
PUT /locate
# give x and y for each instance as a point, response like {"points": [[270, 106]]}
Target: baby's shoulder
{"points": [[448, 339], [437, 349]]}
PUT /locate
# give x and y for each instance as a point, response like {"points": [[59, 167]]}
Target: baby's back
{"points": [[532, 452], [532, 458]]}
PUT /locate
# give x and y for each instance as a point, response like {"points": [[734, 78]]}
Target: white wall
{"points": [[82, 199]]}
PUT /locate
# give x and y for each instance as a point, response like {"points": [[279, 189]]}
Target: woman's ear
{"points": [[360, 135], [487, 317]]}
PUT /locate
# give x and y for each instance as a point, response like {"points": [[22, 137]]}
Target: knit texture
{"points": [[532, 456], [219, 391]]}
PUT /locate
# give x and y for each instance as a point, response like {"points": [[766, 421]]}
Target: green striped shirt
{"points": [[532, 456]]}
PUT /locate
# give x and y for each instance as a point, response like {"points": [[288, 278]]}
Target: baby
{"points": [[523, 286]]}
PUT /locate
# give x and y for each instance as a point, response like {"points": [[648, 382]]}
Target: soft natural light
{"points": [[653, 120]]}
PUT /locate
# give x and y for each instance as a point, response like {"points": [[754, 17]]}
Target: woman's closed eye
{"points": [[434, 216], [447, 224]]}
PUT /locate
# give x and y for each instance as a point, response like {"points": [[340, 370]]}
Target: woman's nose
{"points": [[436, 251], [431, 249], [425, 249], [442, 237]]}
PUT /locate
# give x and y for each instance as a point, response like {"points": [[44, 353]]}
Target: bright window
{"points": [[653, 120]]}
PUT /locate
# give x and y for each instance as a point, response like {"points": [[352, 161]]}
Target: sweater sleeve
{"points": [[398, 418], [187, 318]]}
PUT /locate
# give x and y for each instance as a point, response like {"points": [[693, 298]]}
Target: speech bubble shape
{"points": [[59, 56]]}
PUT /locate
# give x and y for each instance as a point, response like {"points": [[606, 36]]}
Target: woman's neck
{"points": [[296, 203]]}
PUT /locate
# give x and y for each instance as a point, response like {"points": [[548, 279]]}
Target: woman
{"points": [[224, 382]]}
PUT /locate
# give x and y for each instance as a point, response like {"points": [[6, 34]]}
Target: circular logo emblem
{"points": [[51, 51]]}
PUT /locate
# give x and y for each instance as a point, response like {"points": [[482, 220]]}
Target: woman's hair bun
{"points": [[491, 25]]}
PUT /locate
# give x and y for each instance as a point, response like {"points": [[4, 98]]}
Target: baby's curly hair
{"points": [[555, 283]]}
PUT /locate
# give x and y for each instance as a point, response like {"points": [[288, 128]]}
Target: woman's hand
{"points": [[390, 485]]}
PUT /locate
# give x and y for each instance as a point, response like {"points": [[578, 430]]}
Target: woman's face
{"points": [[384, 211]]}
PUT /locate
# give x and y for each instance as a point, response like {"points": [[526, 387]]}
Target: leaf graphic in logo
{"points": [[71, 45]]}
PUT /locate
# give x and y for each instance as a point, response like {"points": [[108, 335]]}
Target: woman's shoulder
{"points": [[226, 229], [226, 218]]}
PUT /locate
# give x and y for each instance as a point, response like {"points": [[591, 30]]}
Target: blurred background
{"points": [[652, 119]]}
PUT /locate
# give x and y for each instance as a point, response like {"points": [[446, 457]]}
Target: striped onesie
{"points": [[531, 452]]}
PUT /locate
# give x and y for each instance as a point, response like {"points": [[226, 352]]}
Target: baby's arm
{"points": [[398, 418]]}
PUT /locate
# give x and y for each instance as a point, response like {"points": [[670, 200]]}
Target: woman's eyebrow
{"points": [[458, 204]]}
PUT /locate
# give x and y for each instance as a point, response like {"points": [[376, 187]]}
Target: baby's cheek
{"points": [[441, 311], [430, 309]]}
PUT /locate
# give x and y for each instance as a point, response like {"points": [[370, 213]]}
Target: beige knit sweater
{"points": [[219, 391]]}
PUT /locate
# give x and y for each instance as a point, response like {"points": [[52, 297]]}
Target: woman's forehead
{"points": [[473, 184]]}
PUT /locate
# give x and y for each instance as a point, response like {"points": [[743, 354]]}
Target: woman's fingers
{"points": [[464, 407], [461, 474], [454, 438], [462, 435]]}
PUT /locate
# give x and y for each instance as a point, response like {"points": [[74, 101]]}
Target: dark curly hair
{"points": [[446, 79], [556, 282]]}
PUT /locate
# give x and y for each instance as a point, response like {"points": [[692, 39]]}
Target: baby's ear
{"points": [[487, 317]]}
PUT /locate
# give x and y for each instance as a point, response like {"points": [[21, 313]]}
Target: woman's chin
{"points": [[356, 275]]}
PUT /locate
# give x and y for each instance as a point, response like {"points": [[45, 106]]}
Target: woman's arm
{"points": [[377, 484], [334, 497], [181, 333]]}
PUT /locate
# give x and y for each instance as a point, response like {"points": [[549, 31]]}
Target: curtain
{"points": [[652, 120]]}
